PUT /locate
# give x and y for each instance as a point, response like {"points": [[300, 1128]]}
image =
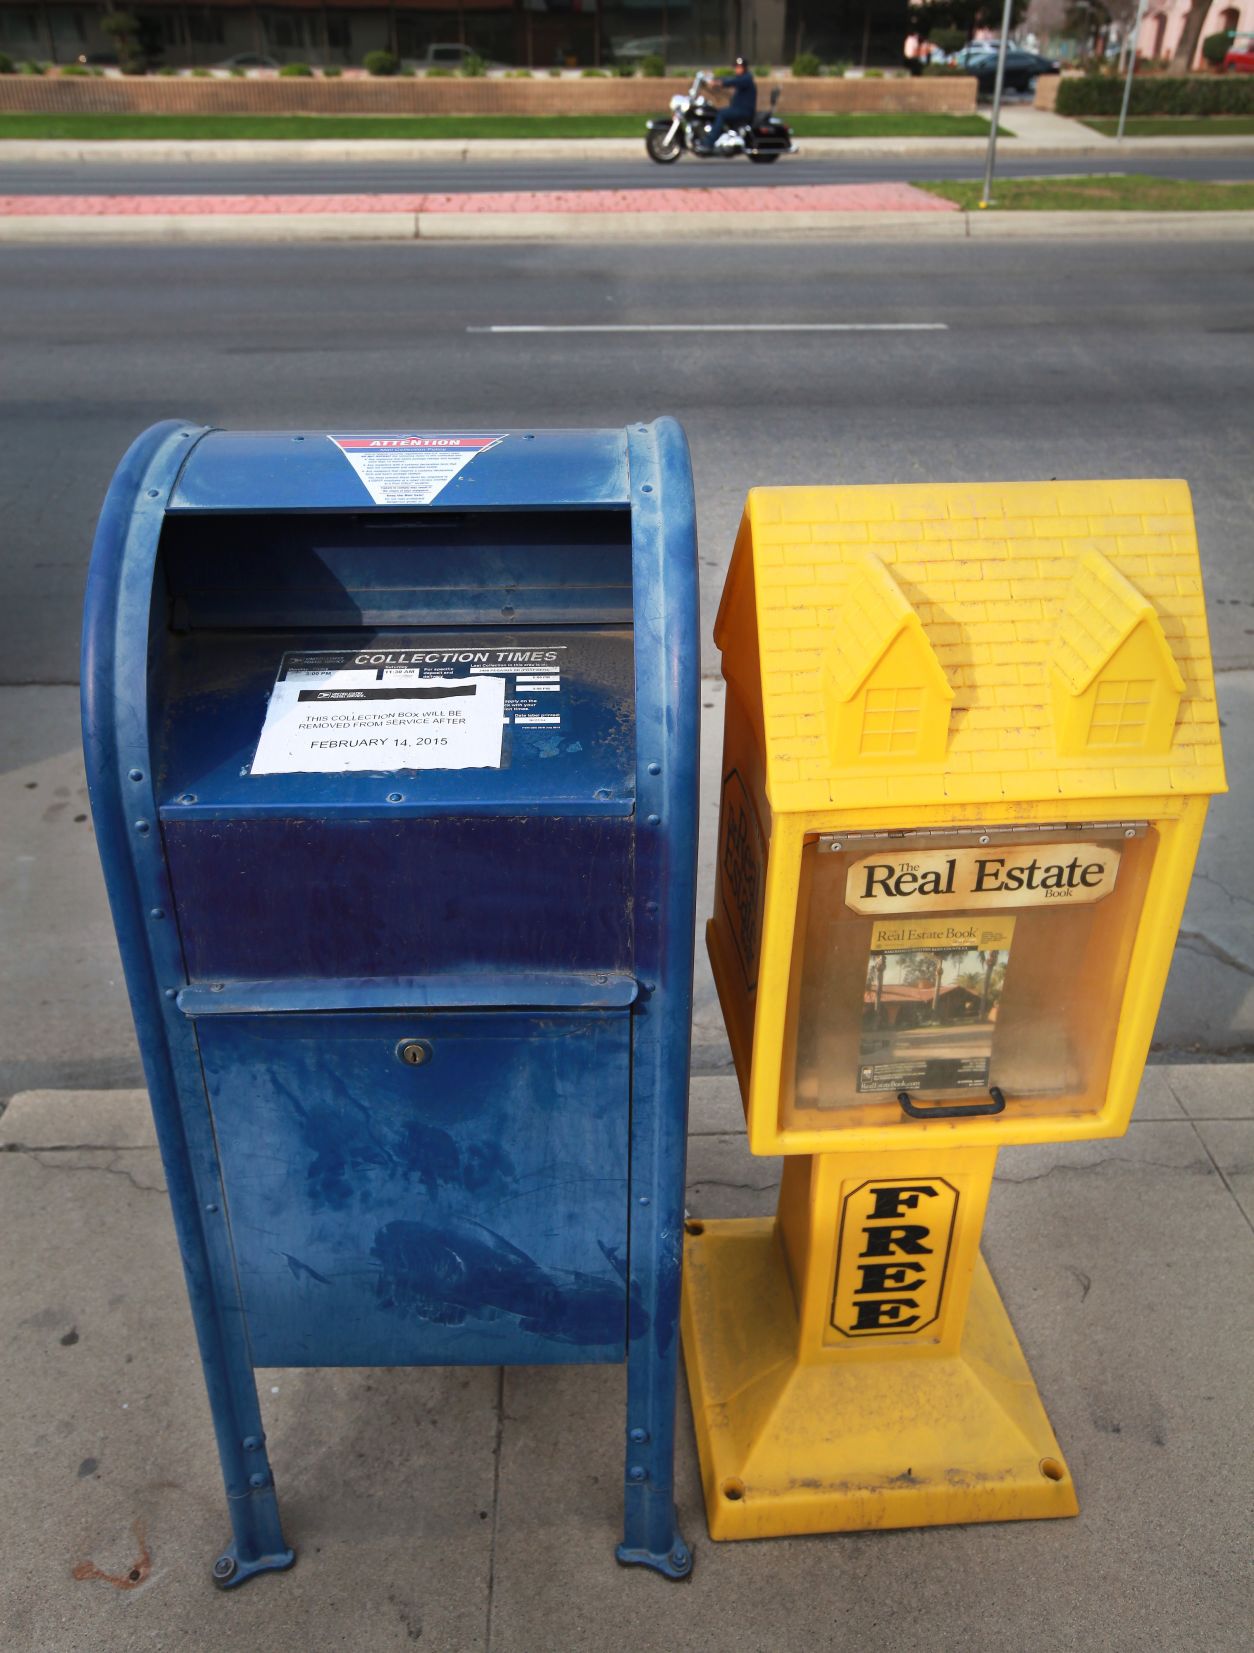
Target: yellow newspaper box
{"points": [[970, 737]]}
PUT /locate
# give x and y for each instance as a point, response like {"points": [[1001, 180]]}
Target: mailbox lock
{"points": [[414, 1052]]}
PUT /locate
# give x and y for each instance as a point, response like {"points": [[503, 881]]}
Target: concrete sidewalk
{"points": [[462, 1509], [779, 210], [467, 1509], [880, 211], [1026, 132]]}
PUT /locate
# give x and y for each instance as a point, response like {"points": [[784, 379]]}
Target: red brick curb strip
{"points": [[833, 198]]}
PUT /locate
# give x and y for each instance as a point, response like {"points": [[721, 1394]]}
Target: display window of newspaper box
{"points": [[945, 967]]}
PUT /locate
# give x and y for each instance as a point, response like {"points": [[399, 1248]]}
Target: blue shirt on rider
{"points": [[744, 102]]}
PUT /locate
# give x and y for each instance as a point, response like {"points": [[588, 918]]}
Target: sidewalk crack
{"points": [[111, 1169], [1193, 941], [1232, 895], [1219, 1170]]}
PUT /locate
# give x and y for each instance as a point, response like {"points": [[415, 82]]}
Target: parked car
{"points": [[248, 60], [1240, 55], [1022, 67], [447, 54], [98, 60], [670, 48]]}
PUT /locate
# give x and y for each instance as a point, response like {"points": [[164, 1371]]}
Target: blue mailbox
{"points": [[392, 749]]}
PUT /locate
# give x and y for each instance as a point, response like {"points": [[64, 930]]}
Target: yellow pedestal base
{"points": [[906, 1439]]}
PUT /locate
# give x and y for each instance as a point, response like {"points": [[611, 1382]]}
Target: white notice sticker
{"points": [[408, 468], [324, 719]]}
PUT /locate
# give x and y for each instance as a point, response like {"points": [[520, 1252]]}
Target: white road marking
{"points": [[726, 327]]}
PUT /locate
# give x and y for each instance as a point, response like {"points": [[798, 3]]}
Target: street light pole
{"points": [[1127, 85], [997, 86]]}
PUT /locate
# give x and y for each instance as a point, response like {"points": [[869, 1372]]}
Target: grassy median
{"points": [[1174, 126], [458, 127], [1101, 193]]}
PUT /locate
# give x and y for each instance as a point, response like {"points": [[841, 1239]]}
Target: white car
{"points": [[447, 55], [666, 46]]}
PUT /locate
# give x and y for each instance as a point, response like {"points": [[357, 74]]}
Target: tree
{"points": [[123, 28], [1185, 52], [967, 15], [1084, 20]]}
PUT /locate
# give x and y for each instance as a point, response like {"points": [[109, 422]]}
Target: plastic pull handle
{"points": [[953, 1110]]}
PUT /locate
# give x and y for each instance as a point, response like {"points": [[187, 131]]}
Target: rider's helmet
{"points": [[740, 65]]}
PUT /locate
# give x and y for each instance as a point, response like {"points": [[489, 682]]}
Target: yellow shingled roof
{"points": [[991, 571]]}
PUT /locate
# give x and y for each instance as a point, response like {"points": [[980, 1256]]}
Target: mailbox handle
{"points": [[953, 1110]]}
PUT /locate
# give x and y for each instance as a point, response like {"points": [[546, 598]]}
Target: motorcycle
{"points": [[763, 139]]}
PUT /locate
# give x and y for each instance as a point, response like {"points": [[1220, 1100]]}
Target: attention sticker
{"points": [[408, 467]]}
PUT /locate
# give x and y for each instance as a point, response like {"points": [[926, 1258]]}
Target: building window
{"points": [[891, 721], [1121, 712], [18, 26], [206, 28], [167, 27], [284, 31]]}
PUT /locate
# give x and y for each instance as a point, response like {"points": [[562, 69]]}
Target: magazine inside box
{"points": [[945, 994]]}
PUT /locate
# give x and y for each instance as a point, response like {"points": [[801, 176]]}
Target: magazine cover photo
{"points": [[929, 1007]]}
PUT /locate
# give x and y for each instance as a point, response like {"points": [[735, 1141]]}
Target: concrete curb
{"points": [[612, 227], [445, 151]]}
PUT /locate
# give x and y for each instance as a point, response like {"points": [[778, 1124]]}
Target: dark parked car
{"points": [[1022, 67]]}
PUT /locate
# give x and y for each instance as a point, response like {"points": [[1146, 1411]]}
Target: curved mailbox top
{"points": [[323, 470], [225, 561]]}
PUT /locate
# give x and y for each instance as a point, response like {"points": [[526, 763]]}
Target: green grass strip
{"points": [[886, 126], [184, 127], [1100, 194], [1176, 126]]}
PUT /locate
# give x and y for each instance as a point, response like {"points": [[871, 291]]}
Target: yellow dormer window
{"points": [[1115, 683], [887, 697], [891, 721], [1121, 712]]}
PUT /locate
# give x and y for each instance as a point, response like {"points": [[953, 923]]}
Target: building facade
{"points": [[535, 34], [1164, 24]]}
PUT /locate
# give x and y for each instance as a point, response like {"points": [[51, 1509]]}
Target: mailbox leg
{"points": [[257, 1544], [651, 1535], [254, 1521]]}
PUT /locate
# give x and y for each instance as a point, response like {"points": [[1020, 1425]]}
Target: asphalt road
{"points": [[371, 177], [1080, 360]]}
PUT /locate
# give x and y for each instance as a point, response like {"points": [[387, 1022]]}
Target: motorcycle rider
{"points": [[740, 111]]}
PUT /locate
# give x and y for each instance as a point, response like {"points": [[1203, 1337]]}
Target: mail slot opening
{"points": [[470, 676], [315, 570]]}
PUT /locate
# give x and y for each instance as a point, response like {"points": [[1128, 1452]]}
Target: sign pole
{"points": [[1127, 85], [991, 162]]}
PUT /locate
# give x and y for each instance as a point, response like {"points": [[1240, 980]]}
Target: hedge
{"points": [[1159, 95]]}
